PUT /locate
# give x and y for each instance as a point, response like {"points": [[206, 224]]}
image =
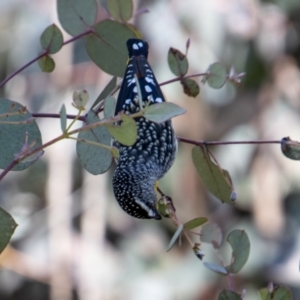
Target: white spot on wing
{"points": [[150, 80], [135, 89], [140, 44], [148, 89], [159, 100], [135, 47]]}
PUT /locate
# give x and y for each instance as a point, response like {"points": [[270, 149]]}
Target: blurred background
{"points": [[74, 241]]}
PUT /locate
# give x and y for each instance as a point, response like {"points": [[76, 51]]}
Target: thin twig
{"points": [[183, 77], [45, 52]]}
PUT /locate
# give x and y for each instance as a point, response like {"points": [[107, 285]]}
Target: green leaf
{"points": [[109, 107], [239, 241], [46, 64], [264, 294], [178, 62], [15, 124], [175, 237], [216, 268], [290, 148], [52, 39], [107, 48], [126, 132], [7, 228], [161, 112], [211, 233], [63, 118], [278, 293], [96, 160], [106, 91], [217, 77], [190, 87], [215, 179], [76, 15], [229, 295], [120, 10], [194, 223]]}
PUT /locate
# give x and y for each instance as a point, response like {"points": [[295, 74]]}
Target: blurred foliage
{"points": [[260, 38]]}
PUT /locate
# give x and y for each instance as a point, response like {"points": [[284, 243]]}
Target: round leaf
{"points": [[239, 241], [211, 233], [178, 62], [190, 87], [161, 112], [217, 77], [107, 48], [7, 228], [96, 160], [76, 15], [120, 10], [52, 39], [14, 127], [126, 132], [46, 64]]}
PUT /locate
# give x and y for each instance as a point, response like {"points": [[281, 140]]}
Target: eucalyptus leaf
{"points": [[52, 39], [239, 241], [175, 237], [107, 48], [63, 118], [229, 295], [190, 87], [161, 112], [76, 16], [7, 228], [17, 124], [211, 233], [290, 148], [216, 268], [126, 132], [95, 159], [120, 10], [178, 62], [217, 77], [215, 179], [47, 64], [106, 91], [194, 223]]}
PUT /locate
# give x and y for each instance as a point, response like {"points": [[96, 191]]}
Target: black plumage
{"points": [[142, 164]]}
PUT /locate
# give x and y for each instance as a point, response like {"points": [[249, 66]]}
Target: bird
{"points": [[141, 165]]}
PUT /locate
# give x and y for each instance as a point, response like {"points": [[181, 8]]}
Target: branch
{"points": [[183, 77], [44, 53], [215, 143]]}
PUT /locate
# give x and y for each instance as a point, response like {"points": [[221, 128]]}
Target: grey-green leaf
{"points": [[190, 87], [229, 295], [106, 91], [161, 112], [13, 130], [52, 39], [96, 160], [178, 62], [279, 293], [126, 132], [76, 15], [46, 63], [215, 179], [175, 237], [120, 10], [109, 107], [239, 241], [63, 118], [194, 223], [216, 268], [290, 148], [217, 77], [211, 233], [107, 48], [7, 228]]}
